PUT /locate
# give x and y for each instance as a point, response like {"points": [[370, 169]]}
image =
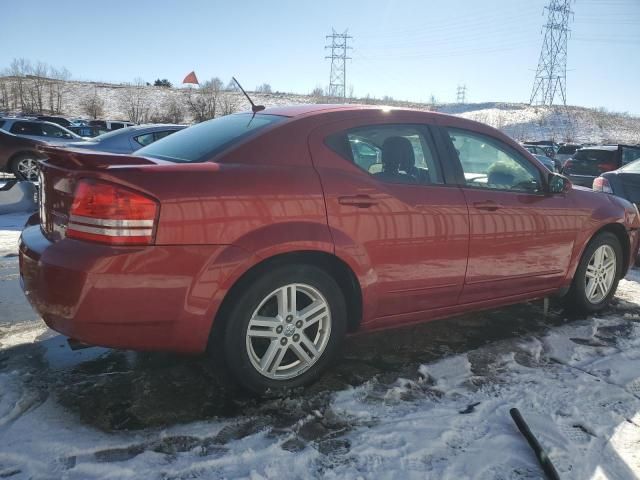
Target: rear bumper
{"points": [[142, 298]]}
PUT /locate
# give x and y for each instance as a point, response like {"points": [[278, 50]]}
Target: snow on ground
{"points": [[427, 402]]}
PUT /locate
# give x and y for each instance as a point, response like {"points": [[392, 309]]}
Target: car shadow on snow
{"points": [[121, 390]]}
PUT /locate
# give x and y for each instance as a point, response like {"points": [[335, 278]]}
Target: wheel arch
{"points": [[339, 270], [620, 232]]}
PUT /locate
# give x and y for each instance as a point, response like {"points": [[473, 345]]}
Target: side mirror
{"points": [[559, 183]]}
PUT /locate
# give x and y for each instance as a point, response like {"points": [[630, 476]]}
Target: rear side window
{"points": [[592, 162], [204, 140], [158, 135], [390, 153], [1, 123], [26, 128], [144, 140]]}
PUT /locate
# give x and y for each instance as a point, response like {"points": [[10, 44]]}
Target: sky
{"points": [[405, 49]]}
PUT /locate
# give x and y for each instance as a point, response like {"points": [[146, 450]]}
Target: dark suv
{"points": [[590, 162]]}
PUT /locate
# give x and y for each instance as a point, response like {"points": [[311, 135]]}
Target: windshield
{"points": [[204, 140]]}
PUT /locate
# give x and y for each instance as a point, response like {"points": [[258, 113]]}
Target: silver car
{"points": [[38, 130], [127, 140]]}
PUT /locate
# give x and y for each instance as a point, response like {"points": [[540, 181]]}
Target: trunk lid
{"points": [[59, 174]]}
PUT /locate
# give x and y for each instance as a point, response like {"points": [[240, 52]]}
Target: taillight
{"points": [[108, 213], [601, 184]]}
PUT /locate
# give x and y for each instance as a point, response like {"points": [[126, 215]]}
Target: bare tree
{"points": [[57, 79], [135, 102], [19, 69], [93, 105], [202, 103], [172, 111], [231, 86], [264, 88], [228, 104]]}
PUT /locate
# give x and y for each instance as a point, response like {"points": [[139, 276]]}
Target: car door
{"points": [[521, 238], [405, 225]]}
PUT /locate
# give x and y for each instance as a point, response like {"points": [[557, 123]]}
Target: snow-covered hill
{"points": [[520, 121]]}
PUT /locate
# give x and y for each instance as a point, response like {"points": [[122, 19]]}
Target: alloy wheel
{"points": [[28, 169], [289, 331], [600, 274]]}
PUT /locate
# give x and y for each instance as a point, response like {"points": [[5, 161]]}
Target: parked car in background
{"points": [[63, 122], [19, 155], [624, 182], [38, 130], [110, 124], [547, 162], [590, 162], [79, 122], [264, 238], [535, 149], [87, 131], [565, 152], [127, 140]]}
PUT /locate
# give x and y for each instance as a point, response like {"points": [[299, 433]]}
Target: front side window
{"points": [[488, 163], [390, 153], [51, 131]]}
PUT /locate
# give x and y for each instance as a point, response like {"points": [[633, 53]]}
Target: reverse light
{"points": [[601, 184], [109, 213]]}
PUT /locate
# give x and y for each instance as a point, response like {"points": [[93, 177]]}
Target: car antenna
{"points": [[254, 108]]}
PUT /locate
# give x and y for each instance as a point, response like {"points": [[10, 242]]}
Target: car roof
{"points": [[601, 147], [315, 109]]}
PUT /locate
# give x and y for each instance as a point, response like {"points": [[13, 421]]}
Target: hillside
{"points": [[520, 121]]}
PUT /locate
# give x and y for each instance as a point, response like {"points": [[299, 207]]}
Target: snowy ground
{"points": [[425, 402]]}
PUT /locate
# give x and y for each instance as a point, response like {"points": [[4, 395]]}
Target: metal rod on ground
{"points": [[541, 455]]}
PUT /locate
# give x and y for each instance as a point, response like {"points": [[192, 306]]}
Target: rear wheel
{"points": [[25, 167], [285, 328], [597, 275]]}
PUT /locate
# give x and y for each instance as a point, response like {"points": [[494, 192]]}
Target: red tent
{"points": [[191, 78]]}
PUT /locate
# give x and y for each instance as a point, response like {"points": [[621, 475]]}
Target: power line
{"points": [[338, 74], [551, 74], [461, 94]]}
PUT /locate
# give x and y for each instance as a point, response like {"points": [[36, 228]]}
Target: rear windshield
{"points": [[595, 156], [204, 140], [633, 167]]}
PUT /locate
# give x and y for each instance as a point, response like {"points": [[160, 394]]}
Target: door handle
{"points": [[488, 205], [360, 201]]}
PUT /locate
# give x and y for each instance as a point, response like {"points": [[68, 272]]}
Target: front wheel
{"points": [[285, 328], [597, 275]]}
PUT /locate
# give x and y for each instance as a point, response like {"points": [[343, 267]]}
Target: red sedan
{"points": [[269, 237]]}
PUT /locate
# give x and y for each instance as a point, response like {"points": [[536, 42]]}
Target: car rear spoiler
{"points": [[76, 158]]}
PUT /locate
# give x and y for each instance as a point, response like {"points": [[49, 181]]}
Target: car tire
{"points": [[582, 298], [271, 345], [25, 167]]}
